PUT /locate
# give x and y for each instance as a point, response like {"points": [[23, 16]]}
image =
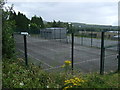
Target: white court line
{"points": [[74, 63], [78, 62], [51, 67], [36, 59], [93, 59]]}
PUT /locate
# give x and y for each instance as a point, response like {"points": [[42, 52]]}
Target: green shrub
{"points": [[16, 75], [96, 80], [8, 27]]}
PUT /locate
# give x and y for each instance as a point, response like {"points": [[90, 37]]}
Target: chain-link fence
{"points": [[48, 52], [51, 48], [87, 50], [111, 50]]}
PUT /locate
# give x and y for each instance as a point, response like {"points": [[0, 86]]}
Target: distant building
{"points": [[54, 33]]}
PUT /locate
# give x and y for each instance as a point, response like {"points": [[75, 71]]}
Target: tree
{"points": [[56, 24], [34, 28], [8, 46], [41, 23], [22, 22], [13, 16], [38, 21], [48, 24]]}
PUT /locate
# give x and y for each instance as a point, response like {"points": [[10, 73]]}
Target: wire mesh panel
{"points": [[19, 43], [111, 45], [86, 58], [96, 39], [50, 52], [111, 41], [87, 38], [87, 55]]}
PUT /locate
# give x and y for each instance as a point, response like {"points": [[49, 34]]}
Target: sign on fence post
{"points": [[25, 47], [102, 54]]}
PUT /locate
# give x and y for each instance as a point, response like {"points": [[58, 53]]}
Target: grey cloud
{"points": [[95, 12]]}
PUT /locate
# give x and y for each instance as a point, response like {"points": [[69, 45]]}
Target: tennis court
{"points": [[53, 52]]}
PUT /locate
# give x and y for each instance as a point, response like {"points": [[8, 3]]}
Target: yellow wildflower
{"points": [[63, 66], [74, 81], [67, 62]]}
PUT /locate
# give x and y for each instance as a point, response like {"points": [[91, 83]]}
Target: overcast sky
{"points": [[82, 11]]}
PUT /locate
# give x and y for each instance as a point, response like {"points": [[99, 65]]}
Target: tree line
{"points": [[35, 23], [32, 25]]}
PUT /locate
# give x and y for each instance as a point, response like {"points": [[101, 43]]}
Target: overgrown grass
{"points": [[17, 75]]}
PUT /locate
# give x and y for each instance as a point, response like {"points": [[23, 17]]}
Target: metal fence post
{"points": [[118, 49], [45, 33], [91, 39], [72, 50], [102, 54], [25, 48], [54, 33], [82, 38], [60, 35]]}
